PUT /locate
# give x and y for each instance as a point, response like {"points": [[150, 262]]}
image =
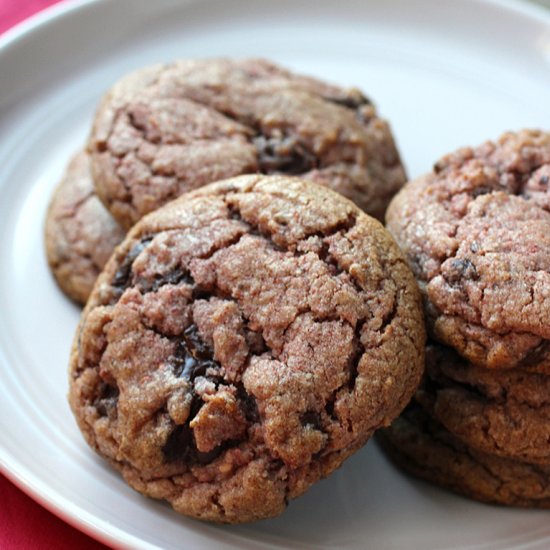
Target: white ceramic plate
{"points": [[446, 73]]}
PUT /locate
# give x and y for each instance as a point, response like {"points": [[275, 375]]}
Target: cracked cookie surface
{"points": [[166, 130], [499, 412], [476, 232], [425, 449], [80, 234], [242, 342]]}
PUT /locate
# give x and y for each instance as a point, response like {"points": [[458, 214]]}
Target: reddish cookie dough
{"points": [[500, 412], [242, 342], [168, 129], [476, 232], [422, 447], [80, 232]]}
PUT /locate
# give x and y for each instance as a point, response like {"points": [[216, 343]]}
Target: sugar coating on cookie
{"points": [[424, 448], [80, 232], [165, 130], [242, 342], [476, 232], [499, 412]]}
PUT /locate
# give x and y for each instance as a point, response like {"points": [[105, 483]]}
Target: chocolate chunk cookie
{"points": [[422, 447], [500, 412], [242, 342], [165, 130], [80, 232], [476, 232]]}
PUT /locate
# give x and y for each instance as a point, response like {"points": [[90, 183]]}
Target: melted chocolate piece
{"points": [[311, 418], [193, 357], [248, 405], [121, 280], [283, 154], [195, 343], [180, 446], [173, 277], [200, 293], [106, 403]]}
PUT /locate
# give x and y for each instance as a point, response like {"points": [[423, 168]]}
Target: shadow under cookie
{"points": [[422, 447]]}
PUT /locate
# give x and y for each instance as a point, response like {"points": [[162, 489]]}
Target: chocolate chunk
{"points": [[107, 400], [121, 279], [177, 444], [177, 276], [195, 344], [311, 418], [248, 405], [193, 357], [283, 154], [200, 293], [198, 457], [461, 268], [180, 446]]}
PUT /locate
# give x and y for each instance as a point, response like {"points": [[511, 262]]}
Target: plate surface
{"points": [[445, 73]]}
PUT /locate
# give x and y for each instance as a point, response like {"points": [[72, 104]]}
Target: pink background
{"points": [[24, 523]]}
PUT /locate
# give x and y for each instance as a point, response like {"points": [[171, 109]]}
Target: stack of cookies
{"points": [[476, 233], [245, 338], [246, 331]]}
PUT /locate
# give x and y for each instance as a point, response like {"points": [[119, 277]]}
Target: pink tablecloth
{"points": [[24, 523], [14, 11]]}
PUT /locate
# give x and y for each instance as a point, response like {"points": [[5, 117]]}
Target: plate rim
{"points": [[63, 8], [17, 473]]}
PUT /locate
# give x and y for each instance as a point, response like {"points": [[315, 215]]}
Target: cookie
{"points": [[499, 412], [80, 234], [165, 130], [242, 342], [476, 232], [423, 448]]}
